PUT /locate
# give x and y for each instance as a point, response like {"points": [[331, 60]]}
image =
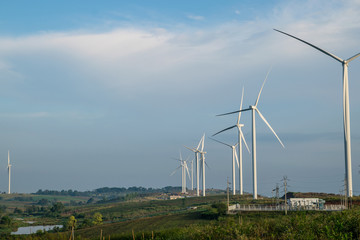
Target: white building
{"points": [[306, 203]]}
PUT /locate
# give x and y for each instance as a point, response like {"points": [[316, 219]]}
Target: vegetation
{"points": [[187, 218], [108, 191]]}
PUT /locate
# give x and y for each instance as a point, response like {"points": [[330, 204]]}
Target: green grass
{"points": [[145, 225], [171, 219]]}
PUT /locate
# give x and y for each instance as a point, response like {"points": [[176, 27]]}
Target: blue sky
{"points": [[106, 94]]}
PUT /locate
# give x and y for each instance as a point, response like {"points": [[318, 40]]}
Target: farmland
{"points": [[152, 216]]}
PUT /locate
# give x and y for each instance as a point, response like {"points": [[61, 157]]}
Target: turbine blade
{"points": [[311, 45], [191, 149], [224, 130], [241, 103], [257, 100], [353, 57], [202, 144], [180, 156], [175, 170], [236, 158], [187, 170], [221, 142], [199, 144], [243, 138], [207, 165], [263, 118], [177, 159], [243, 110]]}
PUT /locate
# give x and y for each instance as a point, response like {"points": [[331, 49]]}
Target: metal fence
{"points": [[254, 207]]}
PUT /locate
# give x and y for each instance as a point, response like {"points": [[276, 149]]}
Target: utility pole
{"points": [[285, 190], [341, 197], [277, 194]]}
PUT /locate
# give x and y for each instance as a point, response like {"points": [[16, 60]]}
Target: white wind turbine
{"points": [[184, 169], [346, 110], [196, 151], [254, 109], [234, 157], [203, 163], [9, 170], [240, 137]]}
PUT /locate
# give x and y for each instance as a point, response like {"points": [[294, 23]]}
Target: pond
{"points": [[33, 229]]}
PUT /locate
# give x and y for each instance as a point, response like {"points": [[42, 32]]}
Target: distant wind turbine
{"points": [[234, 158], [184, 170], [196, 151], [346, 110], [9, 170], [254, 109], [240, 137]]}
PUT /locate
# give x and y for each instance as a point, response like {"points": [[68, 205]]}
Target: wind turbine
{"points": [[346, 110], [184, 169], [9, 169], [203, 163], [196, 151], [241, 137], [254, 109], [234, 157]]}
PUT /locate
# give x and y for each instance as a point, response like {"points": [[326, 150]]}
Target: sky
{"points": [[106, 94]]}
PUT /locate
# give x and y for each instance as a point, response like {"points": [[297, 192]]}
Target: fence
{"points": [[254, 207]]}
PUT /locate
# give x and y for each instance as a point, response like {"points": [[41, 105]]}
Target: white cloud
{"points": [[132, 61]]}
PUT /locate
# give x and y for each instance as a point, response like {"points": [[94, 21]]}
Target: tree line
{"points": [[109, 190]]}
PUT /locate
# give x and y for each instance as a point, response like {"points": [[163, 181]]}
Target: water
{"points": [[33, 229]]}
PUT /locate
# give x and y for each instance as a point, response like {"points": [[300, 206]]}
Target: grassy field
{"points": [[142, 225], [177, 219]]}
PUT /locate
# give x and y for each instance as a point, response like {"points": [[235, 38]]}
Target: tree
{"points": [[72, 224], [57, 207], [87, 223], [215, 211], [91, 200], [18, 210], [6, 220], [43, 202], [97, 218]]}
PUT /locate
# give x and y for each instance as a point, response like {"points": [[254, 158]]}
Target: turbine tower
{"points": [[192, 175], [184, 169], [254, 109], [234, 157], [196, 151], [203, 163], [9, 170], [346, 110], [240, 137]]}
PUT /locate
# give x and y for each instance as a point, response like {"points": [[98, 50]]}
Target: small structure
{"points": [[173, 197], [306, 203]]}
